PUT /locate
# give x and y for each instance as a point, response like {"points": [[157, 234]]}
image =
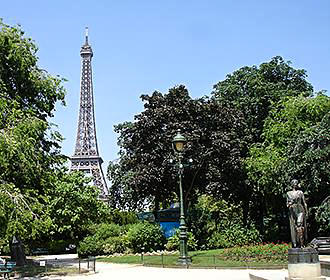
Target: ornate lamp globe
{"points": [[179, 142]]}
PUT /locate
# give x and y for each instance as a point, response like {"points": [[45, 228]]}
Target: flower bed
{"points": [[262, 251]]}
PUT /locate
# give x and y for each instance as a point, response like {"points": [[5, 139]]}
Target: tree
{"points": [[21, 80], [296, 145], [143, 173], [253, 90], [29, 148], [74, 206], [308, 158]]}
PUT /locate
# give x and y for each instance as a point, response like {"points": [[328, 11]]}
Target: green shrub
{"points": [[100, 238], [145, 237], [104, 231], [116, 244], [90, 246], [234, 236], [173, 242]]}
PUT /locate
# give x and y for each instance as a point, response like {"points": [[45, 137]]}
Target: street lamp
{"points": [[178, 143]]}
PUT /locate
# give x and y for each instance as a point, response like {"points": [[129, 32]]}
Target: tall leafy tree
{"points": [[143, 173], [29, 148], [74, 206], [21, 79], [296, 145], [253, 90]]}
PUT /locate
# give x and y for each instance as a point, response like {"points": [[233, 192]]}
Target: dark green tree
{"points": [[143, 173]]}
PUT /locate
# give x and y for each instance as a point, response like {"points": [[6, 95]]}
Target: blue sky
{"points": [[145, 45]]}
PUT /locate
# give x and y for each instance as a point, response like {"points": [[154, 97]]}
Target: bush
{"points": [[145, 237], [101, 235], [116, 244], [234, 236], [90, 246], [173, 242], [104, 231]]}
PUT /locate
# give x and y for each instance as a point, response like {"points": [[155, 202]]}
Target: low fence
{"points": [[56, 266], [218, 261], [81, 265]]}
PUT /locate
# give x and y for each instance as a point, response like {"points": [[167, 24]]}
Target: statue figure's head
{"points": [[294, 183]]}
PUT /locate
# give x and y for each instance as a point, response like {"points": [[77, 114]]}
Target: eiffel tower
{"points": [[86, 155]]}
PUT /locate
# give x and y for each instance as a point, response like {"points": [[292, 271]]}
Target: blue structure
{"points": [[168, 219]]}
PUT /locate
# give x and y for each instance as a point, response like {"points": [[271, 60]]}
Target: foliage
{"points": [[21, 80], [145, 237], [308, 158], [296, 145], [323, 217], [111, 238], [209, 215], [235, 235], [57, 246], [102, 238], [143, 175], [104, 230], [29, 149], [74, 206], [90, 246], [173, 243], [123, 217], [115, 244], [254, 90]]}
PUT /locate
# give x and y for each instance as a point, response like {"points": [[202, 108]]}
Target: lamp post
{"points": [[178, 144]]}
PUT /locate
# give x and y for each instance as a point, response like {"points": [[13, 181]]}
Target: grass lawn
{"points": [[210, 258]]}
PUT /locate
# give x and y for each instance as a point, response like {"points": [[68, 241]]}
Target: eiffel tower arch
{"points": [[86, 156]]}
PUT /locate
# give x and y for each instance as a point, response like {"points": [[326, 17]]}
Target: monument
{"points": [[86, 156], [303, 261]]}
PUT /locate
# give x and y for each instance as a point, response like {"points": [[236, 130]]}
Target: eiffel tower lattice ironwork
{"points": [[86, 155]]}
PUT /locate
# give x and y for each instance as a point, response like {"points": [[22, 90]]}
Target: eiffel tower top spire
{"points": [[86, 155], [86, 50], [86, 36]]}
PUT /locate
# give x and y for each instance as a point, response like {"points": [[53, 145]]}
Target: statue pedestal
{"points": [[304, 264]]}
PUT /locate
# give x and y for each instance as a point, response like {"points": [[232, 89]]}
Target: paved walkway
{"points": [[137, 272]]}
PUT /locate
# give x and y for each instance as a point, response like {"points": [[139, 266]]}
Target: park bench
{"points": [[6, 268], [39, 251]]}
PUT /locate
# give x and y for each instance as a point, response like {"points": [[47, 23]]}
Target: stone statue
{"points": [[297, 214]]}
